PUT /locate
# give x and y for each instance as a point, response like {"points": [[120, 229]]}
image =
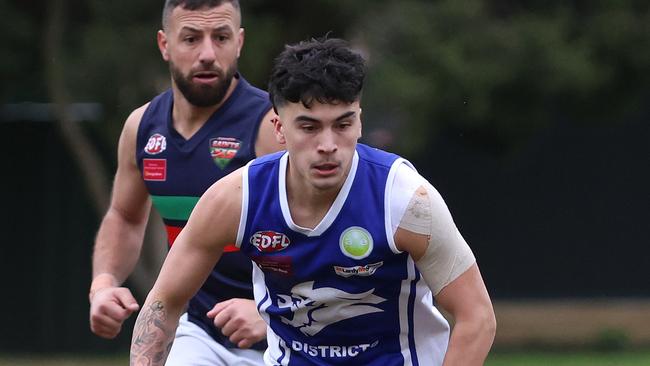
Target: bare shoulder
{"points": [[223, 198], [226, 192], [227, 188], [127, 143], [133, 120], [219, 209]]}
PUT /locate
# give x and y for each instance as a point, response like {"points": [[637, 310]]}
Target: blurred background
{"points": [[532, 118]]}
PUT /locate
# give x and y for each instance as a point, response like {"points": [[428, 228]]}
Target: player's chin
{"points": [[326, 184]]}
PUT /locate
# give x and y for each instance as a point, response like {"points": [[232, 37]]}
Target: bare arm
{"points": [[449, 269], [266, 141], [467, 300], [119, 239], [212, 225]]}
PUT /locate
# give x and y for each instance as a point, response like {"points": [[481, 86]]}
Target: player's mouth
{"points": [[205, 77], [325, 169]]}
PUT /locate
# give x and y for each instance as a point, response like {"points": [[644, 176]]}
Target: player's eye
{"points": [[308, 127], [221, 37], [344, 125]]}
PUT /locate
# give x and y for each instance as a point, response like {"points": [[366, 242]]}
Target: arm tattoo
{"points": [[152, 337]]}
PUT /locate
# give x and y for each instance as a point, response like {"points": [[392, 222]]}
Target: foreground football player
{"points": [[350, 244]]}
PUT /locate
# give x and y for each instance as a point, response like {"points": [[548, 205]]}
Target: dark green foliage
{"points": [[495, 71], [498, 72]]}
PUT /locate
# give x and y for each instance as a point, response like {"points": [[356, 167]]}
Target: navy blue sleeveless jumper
{"points": [[177, 172]]}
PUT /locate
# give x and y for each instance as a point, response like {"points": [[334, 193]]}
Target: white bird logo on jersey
{"points": [[315, 308]]}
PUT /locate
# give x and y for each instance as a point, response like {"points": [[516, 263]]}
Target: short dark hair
{"points": [[326, 70], [170, 5]]}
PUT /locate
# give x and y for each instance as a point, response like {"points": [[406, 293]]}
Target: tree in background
{"points": [[498, 71]]}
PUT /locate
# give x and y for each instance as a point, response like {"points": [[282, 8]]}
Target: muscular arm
{"points": [[212, 225], [428, 234], [467, 300], [119, 239], [266, 141]]}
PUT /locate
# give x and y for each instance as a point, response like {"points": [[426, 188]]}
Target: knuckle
{"points": [[95, 319], [100, 307], [235, 340]]}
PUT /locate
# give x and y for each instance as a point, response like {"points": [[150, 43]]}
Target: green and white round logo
{"points": [[356, 242]]}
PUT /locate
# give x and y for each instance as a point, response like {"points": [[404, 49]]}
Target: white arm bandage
{"points": [[447, 255]]}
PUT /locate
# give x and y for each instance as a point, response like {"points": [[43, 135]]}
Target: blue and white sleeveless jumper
{"points": [[177, 172], [342, 293]]}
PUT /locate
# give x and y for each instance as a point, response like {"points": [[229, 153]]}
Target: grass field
{"points": [[495, 359], [569, 359]]}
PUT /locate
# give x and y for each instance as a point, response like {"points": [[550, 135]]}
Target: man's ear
{"points": [[241, 41], [279, 130], [360, 124], [162, 44]]}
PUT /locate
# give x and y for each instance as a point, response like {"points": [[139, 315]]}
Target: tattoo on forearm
{"points": [[151, 337]]}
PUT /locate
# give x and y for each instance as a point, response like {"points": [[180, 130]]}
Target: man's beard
{"points": [[203, 95]]}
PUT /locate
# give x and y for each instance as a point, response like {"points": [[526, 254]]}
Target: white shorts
{"points": [[194, 347]]}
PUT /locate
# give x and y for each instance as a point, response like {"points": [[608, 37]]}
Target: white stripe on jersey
{"points": [[244, 206], [388, 193], [276, 346], [277, 349], [431, 330], [404, 312]]}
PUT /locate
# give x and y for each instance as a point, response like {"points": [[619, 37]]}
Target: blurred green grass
{"points": [[519, 358], [63, 360], [539, 358]]}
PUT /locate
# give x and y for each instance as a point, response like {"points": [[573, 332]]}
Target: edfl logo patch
{"points": [[269, 241], [356, 242]]}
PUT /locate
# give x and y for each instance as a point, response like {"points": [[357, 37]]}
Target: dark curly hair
{"points": [[170, 5], [325, 70]]}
